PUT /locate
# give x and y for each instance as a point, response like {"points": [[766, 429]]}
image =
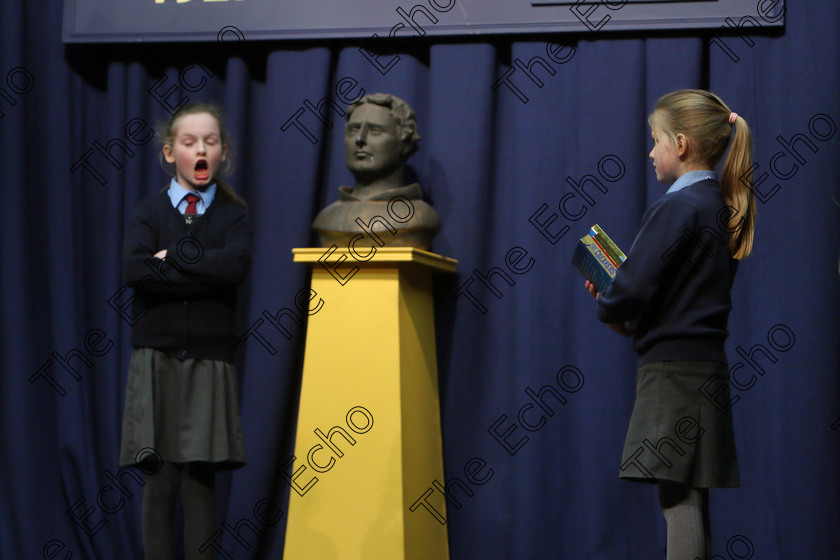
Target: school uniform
{"points": [[675, 288], [182, 395]]}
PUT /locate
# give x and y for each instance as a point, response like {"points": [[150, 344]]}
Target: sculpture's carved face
{"points": [[372, 144]]}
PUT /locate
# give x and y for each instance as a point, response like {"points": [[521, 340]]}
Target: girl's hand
{"points": [[161, 254], [617, 327]]}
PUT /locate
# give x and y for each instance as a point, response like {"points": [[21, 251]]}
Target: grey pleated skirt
{"points": [[181, 411], [676, 433]]}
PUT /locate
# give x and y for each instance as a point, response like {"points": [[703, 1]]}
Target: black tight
{"points": [[686, 511], [196, 485]]}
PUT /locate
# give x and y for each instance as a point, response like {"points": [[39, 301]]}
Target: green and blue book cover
{"points": [[598, 258]]}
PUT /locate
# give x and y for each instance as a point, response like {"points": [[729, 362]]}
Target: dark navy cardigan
{"points": [[186, 304], [677, 278]]}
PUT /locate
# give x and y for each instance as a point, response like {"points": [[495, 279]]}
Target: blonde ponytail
{"points": [[705, 119], [736, 186]]}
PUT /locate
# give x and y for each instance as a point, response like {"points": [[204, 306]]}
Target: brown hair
{"points": [[704, 118], [223, 189]]}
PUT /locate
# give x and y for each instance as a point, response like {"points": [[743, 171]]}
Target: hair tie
{"points": [[732, 117]]}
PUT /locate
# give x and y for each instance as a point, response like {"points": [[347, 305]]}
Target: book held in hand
{"points": [[597, 258]]}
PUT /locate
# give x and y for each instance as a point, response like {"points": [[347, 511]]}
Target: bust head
{"points": [[379, 137]]}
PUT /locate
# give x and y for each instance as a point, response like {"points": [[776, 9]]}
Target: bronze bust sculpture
{"points": [[379, 137]]}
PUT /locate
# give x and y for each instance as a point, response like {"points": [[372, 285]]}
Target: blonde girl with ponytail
{"points": [[674, 288]]}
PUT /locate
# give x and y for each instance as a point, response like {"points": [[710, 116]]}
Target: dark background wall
{"points": [[489, 162]]}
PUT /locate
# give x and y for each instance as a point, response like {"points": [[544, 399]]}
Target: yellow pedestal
{"points": [[368, 438]]}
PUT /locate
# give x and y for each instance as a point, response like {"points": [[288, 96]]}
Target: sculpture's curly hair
{"points": [[401, 112]]}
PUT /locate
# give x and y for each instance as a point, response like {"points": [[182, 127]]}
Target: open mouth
{"points": [[201, 169]]}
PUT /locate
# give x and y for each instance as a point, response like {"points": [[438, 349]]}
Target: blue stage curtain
{"points": [[495, 167]]}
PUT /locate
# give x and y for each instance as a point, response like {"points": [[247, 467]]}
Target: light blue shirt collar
{"points": [[177, 193], [691, 177]]}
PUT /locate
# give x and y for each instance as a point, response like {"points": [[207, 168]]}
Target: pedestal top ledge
{"points": [[382, 255]]}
